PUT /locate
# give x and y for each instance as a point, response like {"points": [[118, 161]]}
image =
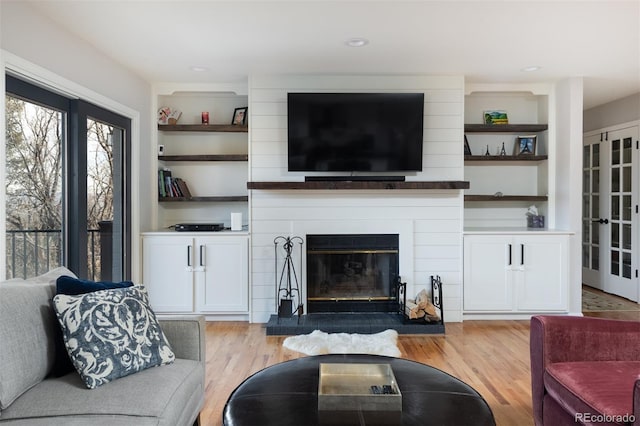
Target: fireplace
{"points": [[352, 273]]}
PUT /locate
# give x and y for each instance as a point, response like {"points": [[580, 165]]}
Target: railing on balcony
{"points": [[32, 252]]}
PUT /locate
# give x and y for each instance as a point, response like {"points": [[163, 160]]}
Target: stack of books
{"points": [[172, 187]]}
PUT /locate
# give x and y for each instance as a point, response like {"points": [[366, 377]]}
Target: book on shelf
{"points": [[172, 187]]}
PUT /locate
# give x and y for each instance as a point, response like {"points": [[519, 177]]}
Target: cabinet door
{"points": [[223, 283], [487, 273], [167, 273], [542, 273]]}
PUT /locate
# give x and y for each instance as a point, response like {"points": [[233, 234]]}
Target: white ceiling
{"points": [[487, 41]]}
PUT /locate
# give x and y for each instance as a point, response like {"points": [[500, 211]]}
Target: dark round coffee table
{"points": [[287, 394]]}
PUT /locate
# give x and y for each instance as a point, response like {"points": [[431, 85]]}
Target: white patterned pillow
{"points": [[111, 334]]}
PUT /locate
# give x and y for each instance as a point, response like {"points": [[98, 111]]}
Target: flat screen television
{"points": [[355, 132]]}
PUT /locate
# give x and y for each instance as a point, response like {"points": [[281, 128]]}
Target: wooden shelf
{"points": [[527, 198], [217, 199], [357, 185], [204, 157], [518, 158], [505, 128], [203, 128]]}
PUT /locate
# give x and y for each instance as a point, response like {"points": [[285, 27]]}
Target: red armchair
{"points": [[585, 371]]}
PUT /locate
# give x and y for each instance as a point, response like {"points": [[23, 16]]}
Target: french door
{"points": [[610, 224], [67, 172]]}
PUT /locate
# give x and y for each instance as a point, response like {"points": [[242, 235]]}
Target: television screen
{"points": [[355, 132]]}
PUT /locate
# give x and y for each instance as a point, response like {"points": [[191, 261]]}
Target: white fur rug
{"points": [[319, 343]]}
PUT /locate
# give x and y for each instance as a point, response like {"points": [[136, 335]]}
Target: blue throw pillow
{"points": [[74, 286]]}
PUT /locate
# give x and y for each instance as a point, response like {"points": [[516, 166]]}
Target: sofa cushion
{"points": [[595, 387], [73, 286], [171, 395], [27, 328], [111, 334]]}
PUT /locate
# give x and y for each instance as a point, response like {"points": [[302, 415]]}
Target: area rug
{"points": [[320, 343], [597, 301]]}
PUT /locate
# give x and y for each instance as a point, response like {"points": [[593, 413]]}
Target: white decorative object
{"points": [[319, 343], [236, 221]]}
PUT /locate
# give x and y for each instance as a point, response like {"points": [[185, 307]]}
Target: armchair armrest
{"points": [[186, 334], [569, 338]]}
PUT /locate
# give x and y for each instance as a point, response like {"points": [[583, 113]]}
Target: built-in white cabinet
{"points": [[196, 273], [516, 273]]}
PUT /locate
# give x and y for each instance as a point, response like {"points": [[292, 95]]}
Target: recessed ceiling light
{"points": [[196, 68], [356, 42], [531, 68]]}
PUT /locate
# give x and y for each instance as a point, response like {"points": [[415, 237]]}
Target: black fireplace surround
{"points": [[352, 273]]}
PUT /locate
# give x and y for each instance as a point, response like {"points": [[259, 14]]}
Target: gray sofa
{"points": [[30, 394]]}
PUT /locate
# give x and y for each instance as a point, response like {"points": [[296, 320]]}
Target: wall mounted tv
{"points": [[355, 132]]}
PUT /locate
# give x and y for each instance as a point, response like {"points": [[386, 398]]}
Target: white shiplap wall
{"points": [[429, 223]]}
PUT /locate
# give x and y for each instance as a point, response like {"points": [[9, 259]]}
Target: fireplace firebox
{"points": [[352, 273]]}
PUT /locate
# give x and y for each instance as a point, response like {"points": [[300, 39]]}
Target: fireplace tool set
{"points": [[288, 292]]}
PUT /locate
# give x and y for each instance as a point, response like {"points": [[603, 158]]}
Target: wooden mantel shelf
{"points": [[358, 185]]}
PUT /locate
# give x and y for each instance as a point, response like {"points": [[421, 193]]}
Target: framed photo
{"points": [[467, 150], [239, 116], [495, 117], [526, 145]]}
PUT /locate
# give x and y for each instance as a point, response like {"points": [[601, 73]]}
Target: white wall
{"points": [[429, 222], [568, 168], [617, 112], [40, 50]]}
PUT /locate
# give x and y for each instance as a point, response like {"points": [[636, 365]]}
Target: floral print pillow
{"points": [[111, 334]]}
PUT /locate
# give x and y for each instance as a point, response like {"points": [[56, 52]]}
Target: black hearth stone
{"points": [[363, 323]]}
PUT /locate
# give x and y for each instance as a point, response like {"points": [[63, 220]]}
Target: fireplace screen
{"points": [[358, 271]]}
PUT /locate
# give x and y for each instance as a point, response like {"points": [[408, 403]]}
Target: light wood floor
{"points": [[491, 356]]}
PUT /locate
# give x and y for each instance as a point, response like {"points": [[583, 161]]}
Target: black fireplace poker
{"points": [[287, 284]]}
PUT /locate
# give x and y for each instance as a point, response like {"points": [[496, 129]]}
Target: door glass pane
{"points": [[585, 231], [585, 206], [626, 207], [33, 220], [596, 155], [615, 207], [595, 205], [595, 233], [586, 181], [615, 151], [104, 236], [627, 151], [626, 265], [615, 235], [626, 179], [615, 262], [595, 258], [626, 236], [596, 181], [615, 179], [586, 156], [585, 255]]}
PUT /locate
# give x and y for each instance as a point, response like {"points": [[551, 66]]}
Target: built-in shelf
{"points": [[528, 198], [505, 128], [518, 158], [357, 185], [218, 199], [203, 128], [204, 157]]}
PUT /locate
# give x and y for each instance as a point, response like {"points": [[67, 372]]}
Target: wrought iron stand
{"points": [[288, 292]]}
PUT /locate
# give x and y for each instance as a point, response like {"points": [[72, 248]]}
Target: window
{"points": [[67, 195]]}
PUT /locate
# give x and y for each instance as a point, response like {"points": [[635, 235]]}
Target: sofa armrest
{"points": [[570, 338], [186, 334]]}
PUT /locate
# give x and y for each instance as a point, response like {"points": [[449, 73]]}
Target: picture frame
{"points": [[467, 149], [495, 117], [526, 145], [240, 116]]}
